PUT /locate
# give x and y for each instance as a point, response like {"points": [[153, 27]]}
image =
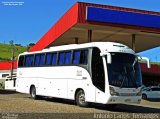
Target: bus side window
{"points": [[61, 58], [76, 57], [21, 61], [68, 57], [54, 59], [84, 56], [37, 59], [42, 60], [29, 60], [48, 58]]}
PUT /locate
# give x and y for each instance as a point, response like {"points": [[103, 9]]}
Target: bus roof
{"points": [[103, 46]]}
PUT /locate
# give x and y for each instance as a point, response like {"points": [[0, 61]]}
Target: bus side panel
{"points": [[56, 81], [81, 81], [25, 80]]}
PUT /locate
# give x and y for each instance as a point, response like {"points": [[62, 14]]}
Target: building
{"points": [[5, 70]]}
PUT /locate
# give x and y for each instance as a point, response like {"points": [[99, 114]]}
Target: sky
{"points": [[29, 20]]}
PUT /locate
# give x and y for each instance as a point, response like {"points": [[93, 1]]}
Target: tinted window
{"points": [[29, 60], [42, 60], [124, 71], [39, 59], [98, 76], [48, 58], [68, 57], [155, 89], [61, 58], [84, 57], [21, 61], [54, 59], [76, 57]]}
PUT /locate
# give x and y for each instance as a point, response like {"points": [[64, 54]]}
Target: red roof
{"points": [[77, 14], [7, 65]]}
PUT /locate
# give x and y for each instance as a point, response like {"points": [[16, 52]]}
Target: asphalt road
{"points": [[17, 105]]}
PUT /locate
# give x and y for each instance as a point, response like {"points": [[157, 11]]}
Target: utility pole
{"points": [[12, 57], [12, 62], [134, 42]]}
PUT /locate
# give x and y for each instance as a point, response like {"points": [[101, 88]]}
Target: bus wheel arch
{"points": [[80, 98], [33, 92]]}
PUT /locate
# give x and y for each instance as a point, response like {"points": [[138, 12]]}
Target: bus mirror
{"points": [[145, 59], [109, 59]]}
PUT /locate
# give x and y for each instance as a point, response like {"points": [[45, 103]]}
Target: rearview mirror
{"points": [[145, 59], [109, 58]]}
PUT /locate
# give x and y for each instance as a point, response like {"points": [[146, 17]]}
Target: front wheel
{"points": [[33, 93], [80, 99]]}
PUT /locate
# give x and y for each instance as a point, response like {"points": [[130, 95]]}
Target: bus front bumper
{"points": [[124, 100]]}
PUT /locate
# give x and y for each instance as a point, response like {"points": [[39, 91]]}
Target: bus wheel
{"points": [[80, 99], [33, 92]]}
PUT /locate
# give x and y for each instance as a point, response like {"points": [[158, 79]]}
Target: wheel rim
{"points": [[82, 98], [33, 93]]}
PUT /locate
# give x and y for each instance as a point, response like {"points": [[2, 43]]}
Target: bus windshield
{"points": [[124, 71]]}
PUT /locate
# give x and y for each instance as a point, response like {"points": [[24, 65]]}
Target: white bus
{"points": [[100, 72]]}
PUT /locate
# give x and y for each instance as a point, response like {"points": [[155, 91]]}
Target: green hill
{"points": [[6, 51]]}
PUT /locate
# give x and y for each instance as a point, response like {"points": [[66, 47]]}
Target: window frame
{"points": [[57, 53]]}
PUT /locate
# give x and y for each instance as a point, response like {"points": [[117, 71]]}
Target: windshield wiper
{"points": [[132, 77]]}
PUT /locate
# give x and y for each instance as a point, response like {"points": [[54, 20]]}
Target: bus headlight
{"points": [[113, 92]]}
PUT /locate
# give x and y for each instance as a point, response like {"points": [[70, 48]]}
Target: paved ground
{"points": [[13, 102]]}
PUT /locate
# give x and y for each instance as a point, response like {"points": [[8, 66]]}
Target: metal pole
{"points": [[76, 40], [134, 42], [89, 35], [12, 62]]}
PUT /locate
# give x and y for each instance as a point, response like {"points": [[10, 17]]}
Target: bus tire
{"points": [[80, 99], [33, 92]]}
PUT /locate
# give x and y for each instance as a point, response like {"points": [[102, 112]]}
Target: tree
{"points": [[11, 42], [18, 45], [31, 44]]}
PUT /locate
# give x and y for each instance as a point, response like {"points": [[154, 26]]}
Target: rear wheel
{"points": [[33, 92], [80, 99]]}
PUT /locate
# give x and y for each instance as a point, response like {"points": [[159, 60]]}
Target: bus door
{"points": [[98, 75]]}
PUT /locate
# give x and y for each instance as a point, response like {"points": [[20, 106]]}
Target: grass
{"points": [[157, 63], [6, 51]]}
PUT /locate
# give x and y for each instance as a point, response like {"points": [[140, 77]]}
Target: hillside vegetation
{"points": [[6, 51]]}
